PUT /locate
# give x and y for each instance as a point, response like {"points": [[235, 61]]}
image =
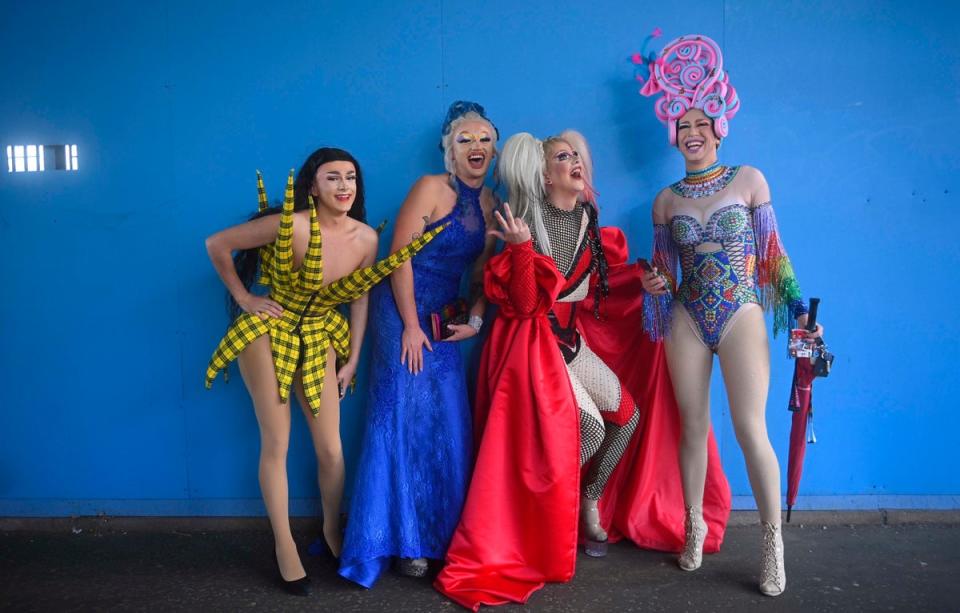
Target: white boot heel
{"points": [[773, 576], [596, 536], [695, 533]]}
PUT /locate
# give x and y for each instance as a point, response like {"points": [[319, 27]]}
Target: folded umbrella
{"points": [[801, 404]]}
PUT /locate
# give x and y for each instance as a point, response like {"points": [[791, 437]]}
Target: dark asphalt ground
{"points": [[830, 567]]}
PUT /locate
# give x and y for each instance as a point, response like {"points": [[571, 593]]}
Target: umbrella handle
{"points": [[812, 316]]}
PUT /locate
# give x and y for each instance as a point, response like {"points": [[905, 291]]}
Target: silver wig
{"points": [[521, 168]]}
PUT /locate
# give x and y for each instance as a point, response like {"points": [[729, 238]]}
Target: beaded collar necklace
{"points": [[707, 174], [706, 182]]}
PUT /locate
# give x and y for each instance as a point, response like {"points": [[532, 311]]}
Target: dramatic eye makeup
{"points": [[566, 156], [470, 137]]}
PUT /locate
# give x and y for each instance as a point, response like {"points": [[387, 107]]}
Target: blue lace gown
{"points": [[417, 448]]}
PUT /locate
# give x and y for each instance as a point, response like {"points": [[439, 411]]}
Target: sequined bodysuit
{"points": [[716, 283], [750, 266]]}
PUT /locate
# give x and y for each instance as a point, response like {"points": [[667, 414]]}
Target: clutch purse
{"points": [[453, 313]]}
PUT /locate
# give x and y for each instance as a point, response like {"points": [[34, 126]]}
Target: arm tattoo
{"points": [[426, 222]]}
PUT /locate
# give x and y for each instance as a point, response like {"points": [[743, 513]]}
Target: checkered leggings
{"points": [[598, 390]]}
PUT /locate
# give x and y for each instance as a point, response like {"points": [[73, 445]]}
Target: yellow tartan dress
{"points": [[310, 323]]}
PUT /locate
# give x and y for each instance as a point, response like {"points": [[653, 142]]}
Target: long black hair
{"points": [[247, 261]]}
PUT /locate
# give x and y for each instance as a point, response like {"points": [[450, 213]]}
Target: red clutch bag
{"points": [[453, 313]]}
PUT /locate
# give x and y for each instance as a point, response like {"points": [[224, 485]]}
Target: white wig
{"points": [[521, 169]]}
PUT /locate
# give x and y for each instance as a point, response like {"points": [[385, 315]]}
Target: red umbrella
{"points": [[801, 404]]}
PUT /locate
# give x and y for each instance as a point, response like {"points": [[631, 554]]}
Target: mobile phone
{"points": [[645, 265]]}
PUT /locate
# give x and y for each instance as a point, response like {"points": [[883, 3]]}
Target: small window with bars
{"points": [[38, 158]]}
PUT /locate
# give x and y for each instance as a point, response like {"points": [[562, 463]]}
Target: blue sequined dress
{"points": [[417, 449]]}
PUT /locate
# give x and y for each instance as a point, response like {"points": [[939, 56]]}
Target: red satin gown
{"points": [[518, 529]]}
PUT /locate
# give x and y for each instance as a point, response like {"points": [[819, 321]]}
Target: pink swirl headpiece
{"points": [[689, 73]]}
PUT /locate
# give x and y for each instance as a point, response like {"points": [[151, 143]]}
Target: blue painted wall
{"points": [[110, 308]]}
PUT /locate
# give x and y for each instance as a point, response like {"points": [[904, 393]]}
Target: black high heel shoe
{"points": [[297, 587]]}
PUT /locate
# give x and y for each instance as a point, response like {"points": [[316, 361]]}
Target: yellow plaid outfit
{"points": [[310, 324]]}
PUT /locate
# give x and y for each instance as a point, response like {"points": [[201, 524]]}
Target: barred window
{"points": [[70, 157], [36, 158], [25, 158]]}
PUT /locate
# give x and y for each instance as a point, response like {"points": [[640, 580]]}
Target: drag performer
{"points": [[417, 451], [310, 256], [717, 223], [566, 381]]}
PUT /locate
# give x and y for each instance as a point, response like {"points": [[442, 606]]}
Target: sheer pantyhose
{"points": [[273, 417], [745, 363]]}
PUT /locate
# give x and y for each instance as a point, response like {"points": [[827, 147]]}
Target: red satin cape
{"points": [[518, 529]]}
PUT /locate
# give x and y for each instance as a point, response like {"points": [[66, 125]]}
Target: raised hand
{"points": [[513, 231]]}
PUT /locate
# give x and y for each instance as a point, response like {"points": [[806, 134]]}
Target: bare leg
{"points": [[273, 416], [325, 432], [745, 362]]}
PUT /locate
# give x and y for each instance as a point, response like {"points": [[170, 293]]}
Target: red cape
{"points": [[519, 524]]}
